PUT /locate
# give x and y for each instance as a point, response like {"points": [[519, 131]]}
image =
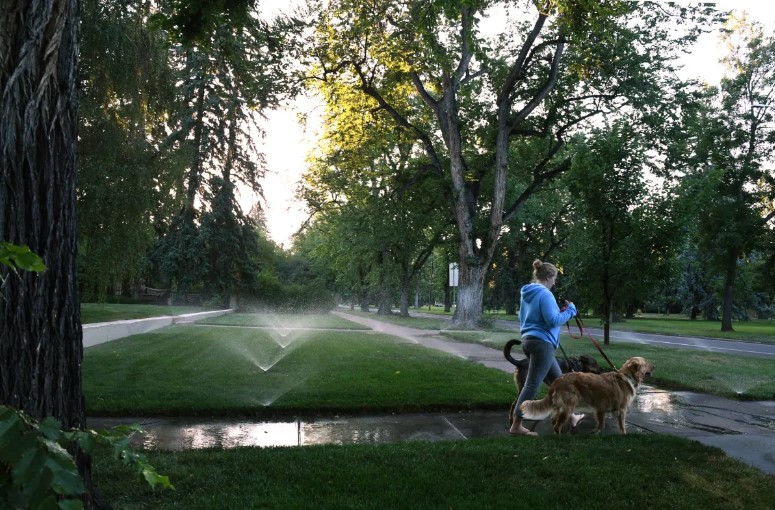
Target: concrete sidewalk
{"points": [[101, 332]]}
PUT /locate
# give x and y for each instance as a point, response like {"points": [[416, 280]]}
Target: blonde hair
{"points": [[542, 271]]}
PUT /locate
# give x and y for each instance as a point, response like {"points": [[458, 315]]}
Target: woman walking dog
{"points": [[540, 319]]}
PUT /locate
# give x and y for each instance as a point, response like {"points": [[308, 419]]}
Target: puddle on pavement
{"points": [[223, 435], [653, 400], [193, 433], [182, 433], [654, 410]]}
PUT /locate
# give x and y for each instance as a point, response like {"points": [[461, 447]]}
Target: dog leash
{"points": [[594, 342]]}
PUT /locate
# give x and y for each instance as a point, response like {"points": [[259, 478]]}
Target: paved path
{"points": [[685, 342], [745, 430]]}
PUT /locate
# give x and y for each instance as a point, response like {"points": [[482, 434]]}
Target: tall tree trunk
{"points": [[385, 305], [404, 296], [363, 290], [606, 322], [41, 347], [189, 250], [512, 291], [469, 297], [729, 290], [607, 308]]}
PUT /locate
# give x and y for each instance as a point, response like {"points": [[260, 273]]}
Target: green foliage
{"points": [[126, 173], [169, 121], [15, 257], [292, 286], [231, 247], [622, 235], [472, 102], [20, 257], [728, 188], [37, 471], [194, 20]]}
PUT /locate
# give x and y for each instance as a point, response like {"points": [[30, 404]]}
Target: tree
{"points": [[126, 173], [431, 60], [40, 327], [226, 79], [360, 186], [728, 171], [622, 233], [539, 232]]}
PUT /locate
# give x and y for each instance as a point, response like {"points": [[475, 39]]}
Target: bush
{"points": [[36, 469]]}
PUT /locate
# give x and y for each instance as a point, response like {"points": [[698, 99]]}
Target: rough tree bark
{"points": [[40, 328], [729, 290]]}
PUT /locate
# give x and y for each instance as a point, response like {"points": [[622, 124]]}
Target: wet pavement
{"points": [[742, 429]]}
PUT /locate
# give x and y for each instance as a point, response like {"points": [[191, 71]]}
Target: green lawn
{"points": [[687, 369], [200, 370], [755, 330], [419, 322], [106, 312], [220, 371], [572, 472], [283, 321]]}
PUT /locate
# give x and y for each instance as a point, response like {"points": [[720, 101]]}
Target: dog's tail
{"points": [[537, 409], [507, 350]]}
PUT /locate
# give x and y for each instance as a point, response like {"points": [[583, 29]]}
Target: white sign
{"points": [[454, 271]]}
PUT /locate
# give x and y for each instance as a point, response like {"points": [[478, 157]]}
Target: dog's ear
{"points": [[631, 368]]}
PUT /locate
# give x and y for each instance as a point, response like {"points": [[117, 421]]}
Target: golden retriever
{"points": [[582, 363], [608, 392]]}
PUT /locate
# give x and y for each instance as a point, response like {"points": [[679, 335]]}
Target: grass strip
{"points": [[284, 321], [106, 312], [761, 331], [417, 322], [579, 472], [215, 371], [679, 369]]}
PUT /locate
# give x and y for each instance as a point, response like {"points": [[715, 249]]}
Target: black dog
{"points": [[582, 363]]}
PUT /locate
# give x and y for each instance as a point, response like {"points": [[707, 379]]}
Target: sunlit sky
{"points": [[287, 142]]}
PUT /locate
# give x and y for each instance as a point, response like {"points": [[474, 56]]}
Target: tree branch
{"points": [[534, 186], [517, 68], [546, 89]]}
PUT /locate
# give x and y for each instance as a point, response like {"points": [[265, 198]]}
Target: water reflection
{"points": [[175, 435], [182, 434], [654, 410], [650, 400]]}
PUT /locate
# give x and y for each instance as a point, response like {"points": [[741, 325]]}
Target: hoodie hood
{"points": [[531, 292]]}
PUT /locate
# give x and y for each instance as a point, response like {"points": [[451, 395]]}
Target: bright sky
{"points": [[287, 143]]}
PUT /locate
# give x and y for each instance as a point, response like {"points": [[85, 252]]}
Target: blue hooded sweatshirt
{"points": [[539, 315]]}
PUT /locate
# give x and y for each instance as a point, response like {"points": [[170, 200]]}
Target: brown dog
{"points": [[609, 392], [583, 363]]}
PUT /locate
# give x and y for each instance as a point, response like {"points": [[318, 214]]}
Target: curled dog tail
{"points": [[537, 409], [507, 350]]}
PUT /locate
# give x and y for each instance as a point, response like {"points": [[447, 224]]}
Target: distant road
{"points": [[698, 343], [688, 342]]}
